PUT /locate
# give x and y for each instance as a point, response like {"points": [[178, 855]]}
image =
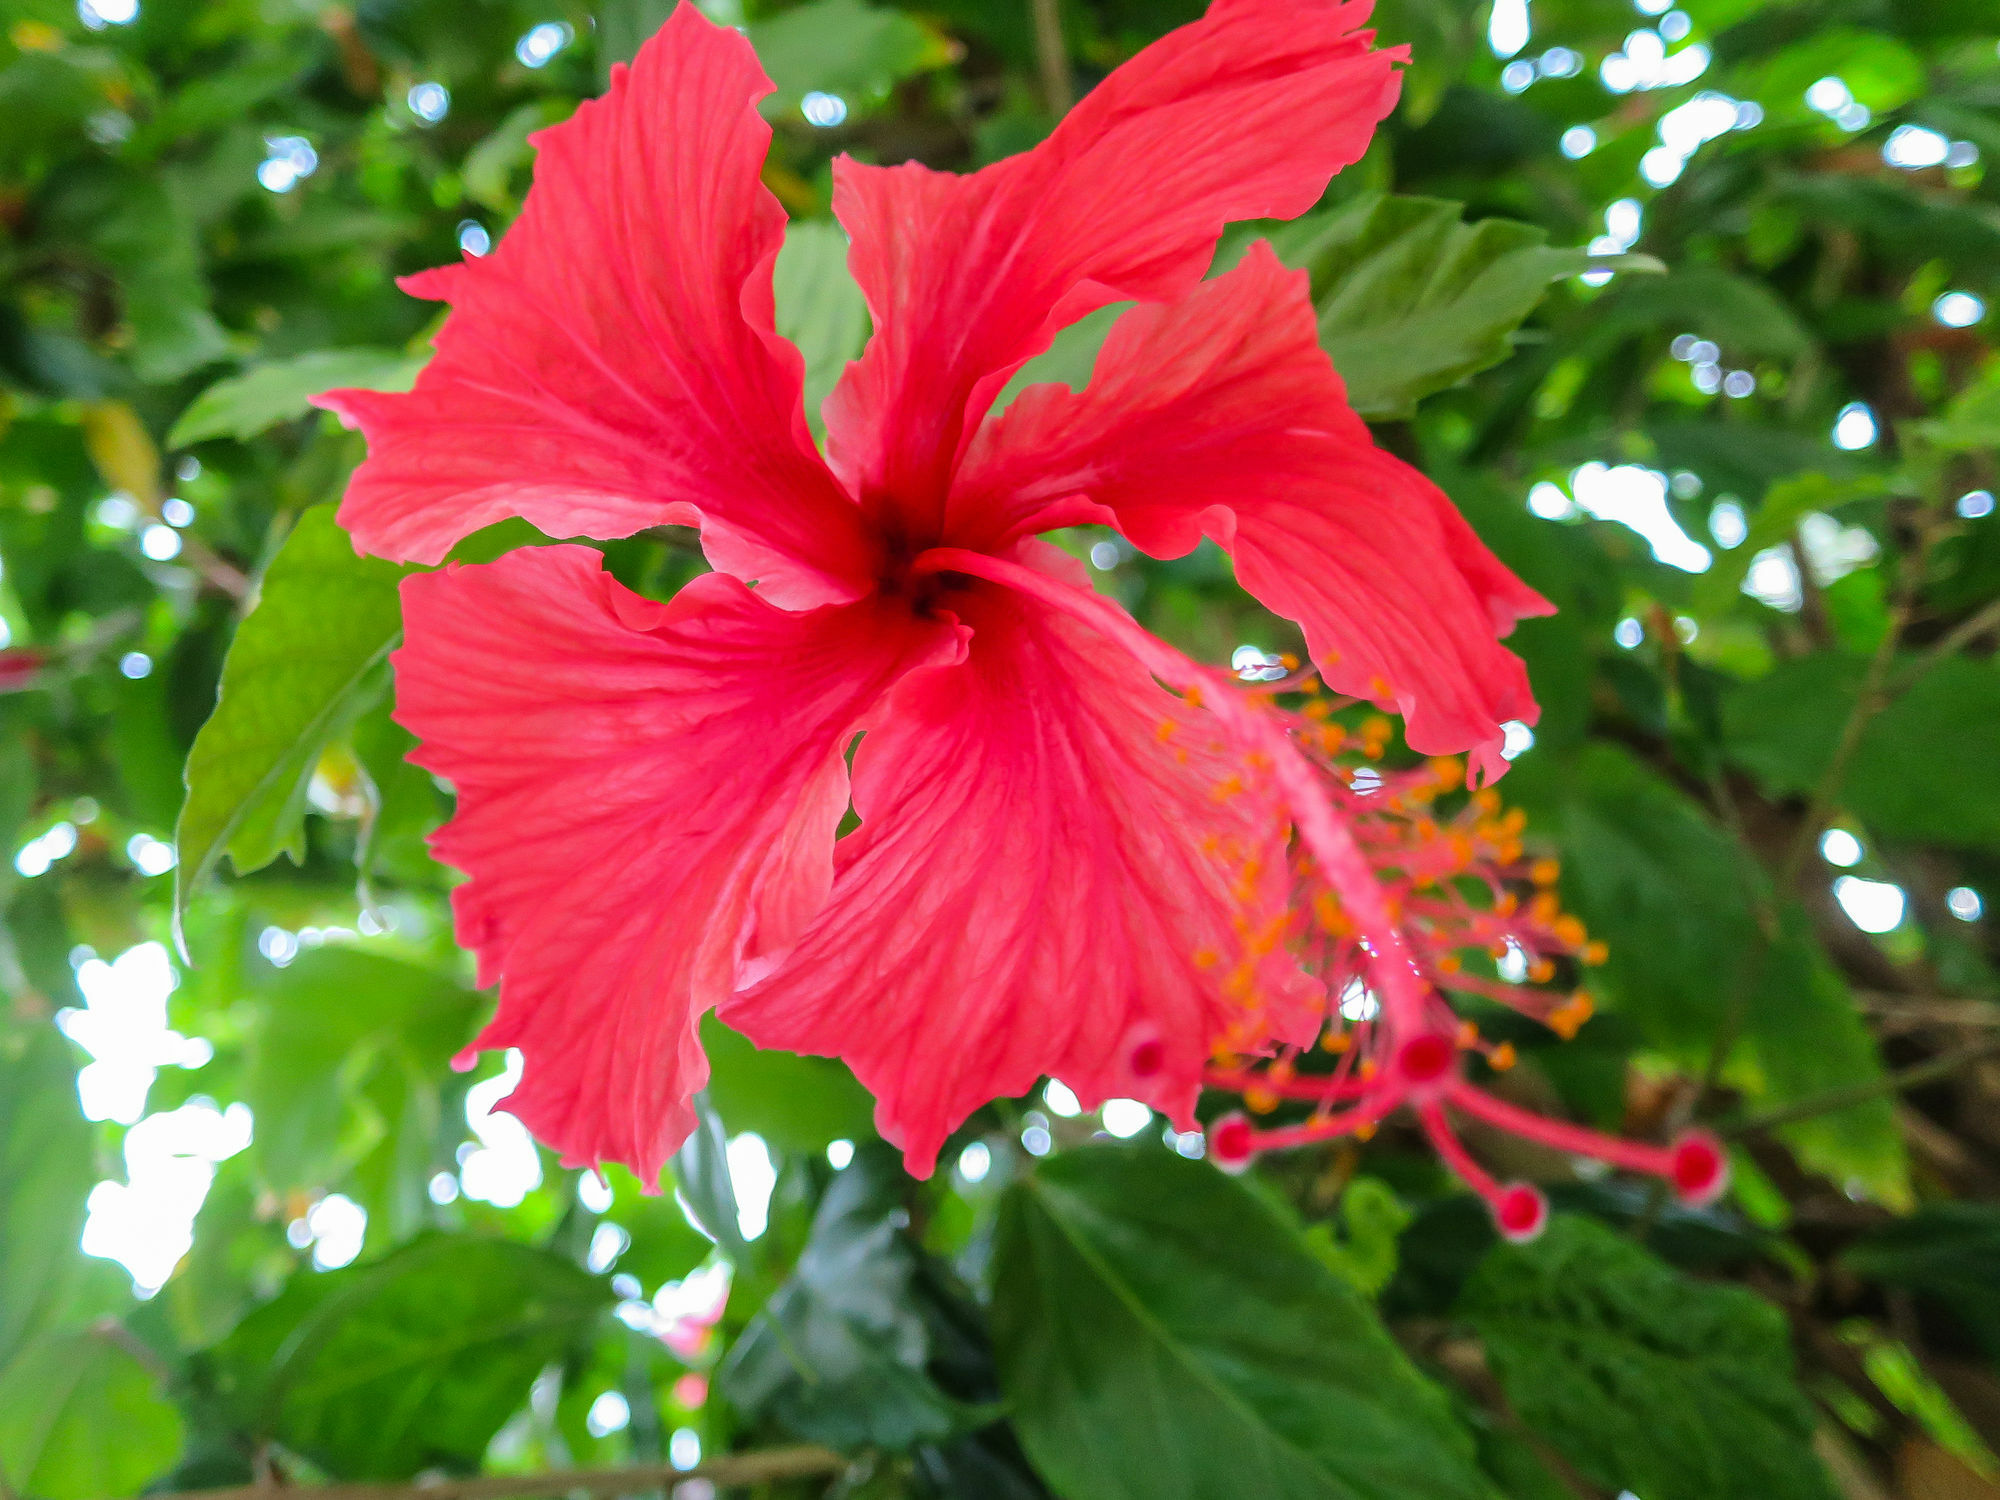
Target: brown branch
{"points": [[1052, 57], [732, 1471], [1958, 637], [1916, 1076]]}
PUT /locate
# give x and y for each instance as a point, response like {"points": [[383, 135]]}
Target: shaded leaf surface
{"points": [[839, 1353], [1163, 1332]]}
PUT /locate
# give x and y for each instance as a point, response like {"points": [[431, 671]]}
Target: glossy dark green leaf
{"points": [[410, 1362], [1164, 1332], [303, 662], [244, 405], [1643, 1378], [82, 1417]]}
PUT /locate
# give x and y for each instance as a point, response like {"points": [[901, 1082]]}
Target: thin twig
{"points": [[729, 1472], [1052, 57], [1904, 1079], [1959, 636]]}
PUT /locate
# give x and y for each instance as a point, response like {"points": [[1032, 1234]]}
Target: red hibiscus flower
{"points": [[1061, 866], [19, 668]]}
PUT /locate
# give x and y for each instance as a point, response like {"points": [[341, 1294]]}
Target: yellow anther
{"points": [[1545, 872], [1501, 1058], [1451, 963], [1566, 1019], [1259, 1101], [1468, 1035], [1568, 931], [1449, 771], [1288, 661], [1365, 1131], [1336, 1042], [1541, 971], [1595, 952]]}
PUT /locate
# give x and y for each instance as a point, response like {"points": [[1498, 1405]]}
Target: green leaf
{"points": [[1806, 1036], [1927, 767], [843, 47], [280, 390], [1948, 1252], [45, 1176], [345, 1071], [1162, 1331], [1972, 421], [1879, 71], [1743, 316], [410, 1362], [303, 662], [839, 1353], [82, 1419], [1411, 299], [1667, 891], [1645, 1379], [701, 1171], [800, 1103], [820, 306]]}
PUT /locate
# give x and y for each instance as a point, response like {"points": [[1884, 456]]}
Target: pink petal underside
{"points": [[613, 365], [647, 800], [1244, 114], [1043, 873], [1221, 414]]}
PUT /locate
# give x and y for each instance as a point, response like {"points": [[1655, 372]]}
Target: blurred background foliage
{"points": [[1688, 308]]}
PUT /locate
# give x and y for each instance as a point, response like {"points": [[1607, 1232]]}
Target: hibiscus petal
{"points": [[647, 799], [1056, 865], [613, 365], [1244, 114], [1221, 414]]}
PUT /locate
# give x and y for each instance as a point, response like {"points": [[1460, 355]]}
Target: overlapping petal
{"points": [[612, 365], [1244, 114], [647, 800], [1057, 862], [1220, 414]]}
